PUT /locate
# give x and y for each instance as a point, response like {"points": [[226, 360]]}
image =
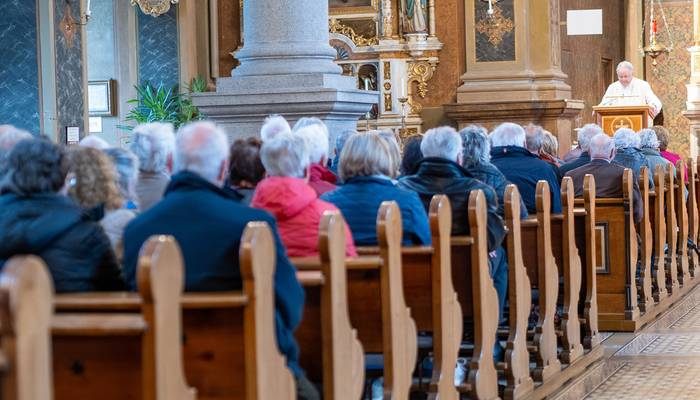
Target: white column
{"points": [[283, 37]]}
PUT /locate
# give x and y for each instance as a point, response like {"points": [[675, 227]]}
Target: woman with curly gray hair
{"points": [[649, 144], [476, 159]]}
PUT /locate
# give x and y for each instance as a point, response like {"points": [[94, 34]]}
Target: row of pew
{"points": [[590, 267]]}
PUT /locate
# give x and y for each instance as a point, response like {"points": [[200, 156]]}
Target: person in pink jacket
{"points": [[286, 194]]}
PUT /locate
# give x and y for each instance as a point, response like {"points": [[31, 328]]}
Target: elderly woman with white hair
{"points": [[476, 160], [287, 195], [367, 168], [315, 133], [153, 144], [649, 144], [629, 155]]}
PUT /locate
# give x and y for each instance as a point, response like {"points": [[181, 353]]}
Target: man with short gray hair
{"points": [[585, 134], [607, 174], [630, 91], [208, 224], [9, 137], [153, 144], [520, 166]]}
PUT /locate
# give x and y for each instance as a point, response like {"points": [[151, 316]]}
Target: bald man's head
{"points": [[602, 147], [202, 148]]}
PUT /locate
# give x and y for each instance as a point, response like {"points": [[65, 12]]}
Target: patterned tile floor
{"points": [[662, 362]]}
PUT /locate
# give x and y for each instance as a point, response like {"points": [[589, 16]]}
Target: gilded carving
{"points": [[387, 70], [419, 72], [495, 26], [336, 26], [67, 24], [387, 86], [407, 132], [387, 102], [154, 7]]}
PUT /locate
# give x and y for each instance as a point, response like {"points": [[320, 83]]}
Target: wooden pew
{"points": [[338, 362], [682, 233], [644, 283], [26, 296], [587, 242], [672, 284], [657, 216], [222, 331], [430, 294], [693, 217], [123, 343], [377, 304]]}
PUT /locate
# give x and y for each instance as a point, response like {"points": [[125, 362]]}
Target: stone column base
{"points": [[240, 105], [694, 118], [556, 116]]}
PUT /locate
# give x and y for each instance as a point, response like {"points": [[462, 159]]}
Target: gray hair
{"points": [[648, 139], [625, 138], [9, 137], [201, 147], [394, 150], [477, 149], [316, 137], [127, 166], [601, 146], [285, 155], [443, 142], [534, 137], [153, 143], [586, 133], [342, 138], [94, 141], [625, 65], [273, 126], [366, 154], [508, 134]]}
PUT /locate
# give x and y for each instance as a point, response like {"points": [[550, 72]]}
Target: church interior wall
{"points": [[670, 76], [19, 74]]}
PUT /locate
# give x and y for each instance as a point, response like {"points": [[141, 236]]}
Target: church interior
{"points": [[349, 199]]}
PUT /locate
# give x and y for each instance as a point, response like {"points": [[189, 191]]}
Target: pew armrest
{"points": [[86, 324], [105, 301], [191, 301], [310, 278]]}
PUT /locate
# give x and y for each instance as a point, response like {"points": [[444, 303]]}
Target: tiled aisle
{"points": [[662, 362]]}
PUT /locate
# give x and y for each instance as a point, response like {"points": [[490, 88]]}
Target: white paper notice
{"points": [[72, 134], [95, 124], [584, 22]]}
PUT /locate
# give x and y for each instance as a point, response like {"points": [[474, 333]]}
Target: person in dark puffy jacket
{"points": [[36, 219], [366, 167], [476, 160], [440, 172]]}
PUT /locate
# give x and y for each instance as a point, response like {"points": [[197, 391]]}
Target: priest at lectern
{"points": [[630, 91]]}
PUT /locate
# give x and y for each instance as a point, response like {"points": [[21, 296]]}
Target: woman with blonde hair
{"points": [[92, 184], [367, 168]]}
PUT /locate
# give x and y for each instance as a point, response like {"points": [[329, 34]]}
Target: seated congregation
{"points": [[453, 264]]}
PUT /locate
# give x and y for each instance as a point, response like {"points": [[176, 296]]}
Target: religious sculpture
{"points": [[415, 17]]}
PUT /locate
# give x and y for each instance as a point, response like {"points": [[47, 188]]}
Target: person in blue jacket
{"points": [[524, 169], [366, 168]]}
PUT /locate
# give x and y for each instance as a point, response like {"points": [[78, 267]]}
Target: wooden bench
{"points": [[330, 350], [377, 305], [561, 351], [657, 217], [693, 217], [681, 211], [26, 295], [228, 338]]}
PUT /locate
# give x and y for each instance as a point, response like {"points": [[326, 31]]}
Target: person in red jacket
{"points": [[286, 194]]}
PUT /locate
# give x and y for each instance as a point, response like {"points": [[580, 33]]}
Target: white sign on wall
{"points": [[584, 22]]}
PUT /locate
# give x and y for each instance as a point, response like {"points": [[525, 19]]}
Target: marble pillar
{"points": [[693, 104], [514, 73], [287, 67]]}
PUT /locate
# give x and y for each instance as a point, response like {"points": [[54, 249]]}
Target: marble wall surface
{"points": [[19, 72], [158, 48], [69, 71]]}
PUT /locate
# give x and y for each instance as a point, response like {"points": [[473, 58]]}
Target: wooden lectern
{"points": [[612, 118]]}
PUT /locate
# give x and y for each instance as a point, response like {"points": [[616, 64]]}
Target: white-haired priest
{"points": [[630, 91]]}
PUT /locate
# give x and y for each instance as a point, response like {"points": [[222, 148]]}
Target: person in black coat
{"points": [[36, 219], [208, 222], [440, 172], [524, 169]]}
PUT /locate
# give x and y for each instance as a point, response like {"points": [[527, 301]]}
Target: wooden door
{"points": [[590, 60]]}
